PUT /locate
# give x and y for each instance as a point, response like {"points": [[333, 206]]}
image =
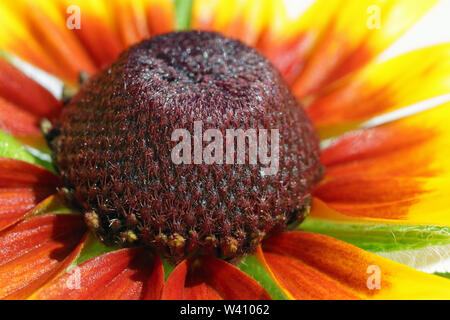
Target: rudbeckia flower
{"points": [[384, 189]]}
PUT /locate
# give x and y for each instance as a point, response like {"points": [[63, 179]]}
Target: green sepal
{"points": [[92, 248], [168, 267], [251, 266], [183, 13]]}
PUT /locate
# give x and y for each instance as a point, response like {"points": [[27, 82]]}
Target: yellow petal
{"points": [[357, 32]]}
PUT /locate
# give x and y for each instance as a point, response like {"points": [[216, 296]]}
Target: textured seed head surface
{"points": [[112, 146]]}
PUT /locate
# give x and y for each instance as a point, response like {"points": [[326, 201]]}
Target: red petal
{"points": [[17, 121], [25, 93], [208, 278], [36, 250], [123, 274], [16, 203], [22, 187], [14, 173]]}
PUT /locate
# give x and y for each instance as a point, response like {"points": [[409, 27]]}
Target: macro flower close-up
{"points": [[222, 149]]}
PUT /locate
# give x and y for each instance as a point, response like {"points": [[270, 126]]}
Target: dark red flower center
{"points": [[117, 145]]}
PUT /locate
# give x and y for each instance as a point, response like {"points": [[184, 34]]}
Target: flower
{"points": [[387, 178]]}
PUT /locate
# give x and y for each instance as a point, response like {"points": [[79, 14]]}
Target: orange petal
{"points": [[312, 266], [357, 32], [37, 250], [131, 21], [57, 38], [243, 20], [160, 16], [398, 171], [124, 274], [24, 92], [383, 87], [48, 27], [208, 278]]}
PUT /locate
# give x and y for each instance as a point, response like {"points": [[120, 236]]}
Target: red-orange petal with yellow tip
{"points": [[415, 146], [128, 274], [24, 92], [36, 250], [288, 39], [369, 196], [22, 187], [312, 266], [208, 278], [398, 171]]}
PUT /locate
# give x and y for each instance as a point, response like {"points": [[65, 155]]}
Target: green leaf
{"points": [[11, 148], [183, 12], [251, 266], [381, 237]]}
